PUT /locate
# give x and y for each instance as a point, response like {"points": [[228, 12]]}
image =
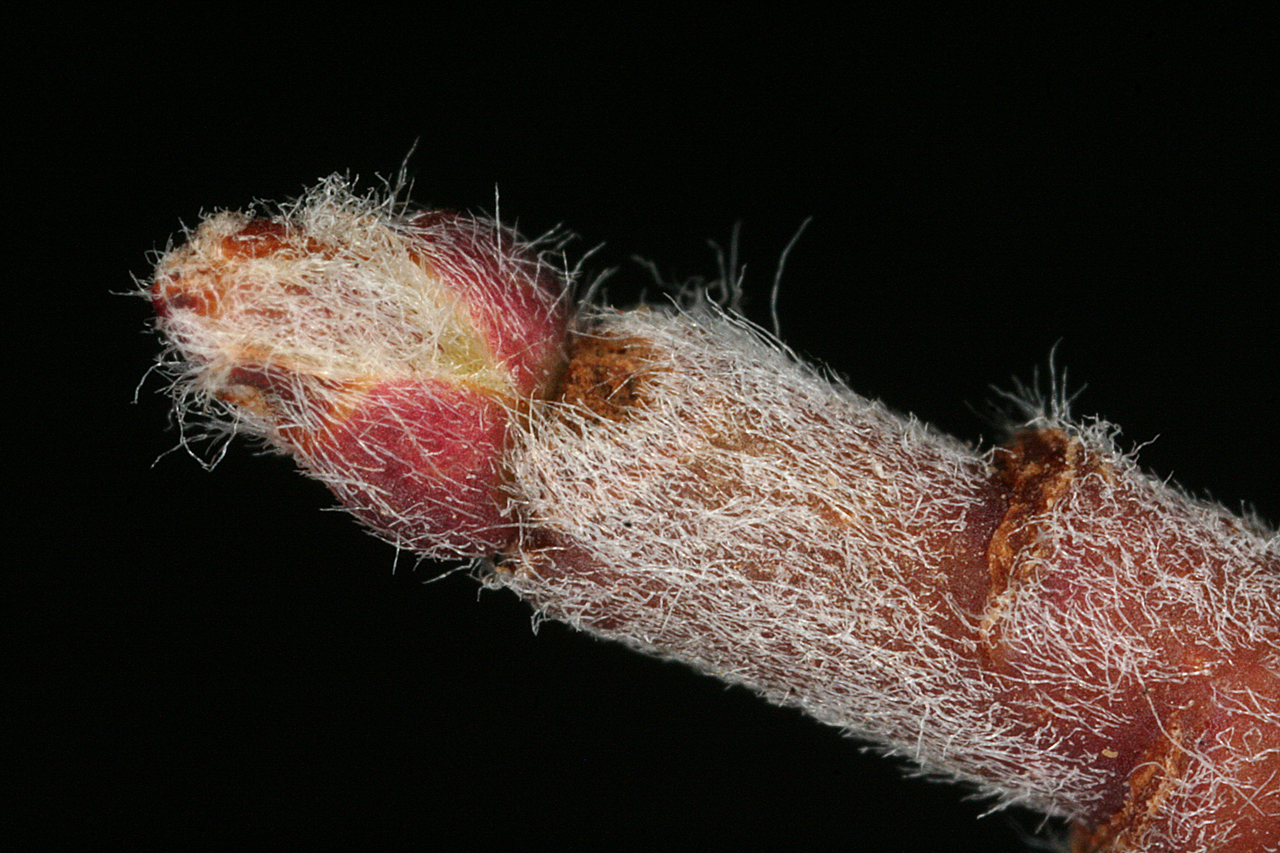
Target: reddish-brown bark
{"points": [[1172, 707]]}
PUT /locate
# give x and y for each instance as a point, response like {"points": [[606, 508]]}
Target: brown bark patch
{"points": [[1152, 782], [1034, 470], [609, 375]]}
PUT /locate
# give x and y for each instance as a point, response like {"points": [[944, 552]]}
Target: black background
{"points": [[208, 658]]}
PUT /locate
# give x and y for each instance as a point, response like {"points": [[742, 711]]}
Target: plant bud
{"points": [[387, 353]]}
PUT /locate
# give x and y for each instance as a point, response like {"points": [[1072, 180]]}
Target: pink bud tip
{"points": [[386, 352]]}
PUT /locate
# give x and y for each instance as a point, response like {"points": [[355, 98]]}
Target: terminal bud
{"points": [[387, 352]]}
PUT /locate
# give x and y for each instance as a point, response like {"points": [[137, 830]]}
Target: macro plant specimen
{"points": [[1042, 622]]}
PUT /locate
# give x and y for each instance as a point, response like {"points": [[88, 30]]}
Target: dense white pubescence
{"points": [[769, 527], [1206, 582]]}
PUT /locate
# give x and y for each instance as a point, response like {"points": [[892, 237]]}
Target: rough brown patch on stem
{"points": [[608, 375], [1150, 784], [1034, 469]]}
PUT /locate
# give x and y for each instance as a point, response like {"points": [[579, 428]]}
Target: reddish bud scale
{"points": [[419, 462], [516, 305]]}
